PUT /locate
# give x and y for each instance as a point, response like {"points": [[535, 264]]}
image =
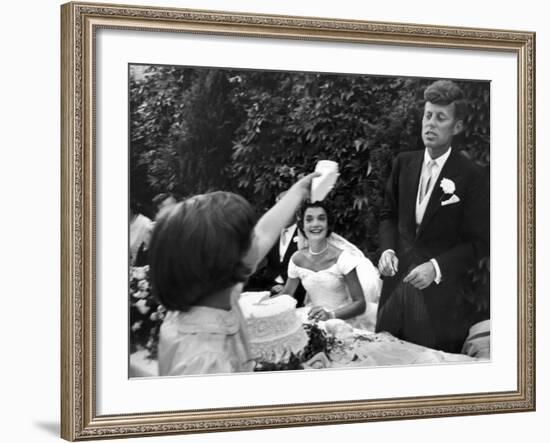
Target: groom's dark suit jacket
{"points": [[456, 235]]}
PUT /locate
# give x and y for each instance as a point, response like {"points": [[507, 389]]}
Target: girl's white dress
{"points": [[203, 340], [328, 289]]}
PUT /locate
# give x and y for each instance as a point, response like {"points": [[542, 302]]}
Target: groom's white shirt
{"points": [[421, 206], [439, 163]]}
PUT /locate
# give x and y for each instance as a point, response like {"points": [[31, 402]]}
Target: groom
{"points": [[434, 227]]}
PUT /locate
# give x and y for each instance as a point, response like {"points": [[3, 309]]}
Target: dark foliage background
{"points": [[254, 132]]}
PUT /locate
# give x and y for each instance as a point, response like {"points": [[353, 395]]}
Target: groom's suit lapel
{"points": [[413, 168], [451, 171]]}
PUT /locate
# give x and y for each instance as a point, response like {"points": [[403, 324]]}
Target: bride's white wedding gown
{"points": [[328, 289]]}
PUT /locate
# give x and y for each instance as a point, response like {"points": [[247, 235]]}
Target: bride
{"points": [[340, 282]]}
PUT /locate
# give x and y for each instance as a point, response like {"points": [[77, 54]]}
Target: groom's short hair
{"points": [[198, 246], [446, 92]]}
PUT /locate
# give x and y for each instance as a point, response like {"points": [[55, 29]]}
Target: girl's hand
{"points": [[304, 184], [268, 228]]}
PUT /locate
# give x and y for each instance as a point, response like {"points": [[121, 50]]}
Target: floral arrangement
{"points": [[146, 314], [333, 344], [449, 188], [319, 343]]}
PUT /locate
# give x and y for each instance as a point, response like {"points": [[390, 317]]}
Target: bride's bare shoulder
{"points": [[299, 258]]}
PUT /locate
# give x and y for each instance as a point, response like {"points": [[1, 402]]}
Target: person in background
{"points": [[273, 271], [141, 228]]}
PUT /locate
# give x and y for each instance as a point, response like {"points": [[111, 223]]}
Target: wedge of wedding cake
{"points": [[274, 327]]}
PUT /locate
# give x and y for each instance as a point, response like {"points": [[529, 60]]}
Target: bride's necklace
{"points": [[320, 252]]}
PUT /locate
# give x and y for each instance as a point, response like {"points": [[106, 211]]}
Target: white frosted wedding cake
{"points": [[274, 327]]}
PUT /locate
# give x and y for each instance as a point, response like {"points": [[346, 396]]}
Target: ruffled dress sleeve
{"points": [[203, 340], [293, 270], [346, 262]]}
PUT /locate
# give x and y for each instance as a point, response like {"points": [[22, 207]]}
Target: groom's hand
{"points": [[388, 263], [422, 276]]}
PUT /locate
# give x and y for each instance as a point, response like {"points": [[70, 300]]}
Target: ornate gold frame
{"points": [[79, 420]]}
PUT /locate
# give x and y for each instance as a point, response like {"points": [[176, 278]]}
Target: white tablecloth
{"points": [[368, 349], [383, 349]]}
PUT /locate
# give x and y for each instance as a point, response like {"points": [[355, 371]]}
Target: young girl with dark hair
{"points": [[202, 251]]}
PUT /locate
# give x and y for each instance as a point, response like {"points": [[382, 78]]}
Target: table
{"points": [[364, 349], [370, 349]]}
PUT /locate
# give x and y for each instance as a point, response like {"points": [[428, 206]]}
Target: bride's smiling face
{"points": [[315, 223]]}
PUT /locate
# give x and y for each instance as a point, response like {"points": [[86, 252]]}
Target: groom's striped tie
{"points": [[427, 178]]}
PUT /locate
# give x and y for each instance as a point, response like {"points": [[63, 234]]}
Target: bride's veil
{"points": [[367, 273]]}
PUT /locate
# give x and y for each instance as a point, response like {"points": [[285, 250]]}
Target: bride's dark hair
{"points": [[197, 248], [308, 204]]}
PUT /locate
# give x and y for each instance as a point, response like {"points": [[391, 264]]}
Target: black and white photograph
{"points": [[295, 218], [288, 220]]}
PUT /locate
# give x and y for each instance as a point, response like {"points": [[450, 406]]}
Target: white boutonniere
{"points": [[448, 186], [295, 239]]}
